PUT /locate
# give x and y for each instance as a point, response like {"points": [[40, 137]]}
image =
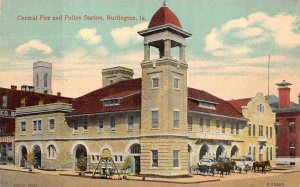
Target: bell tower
{"points": [[164, 97]]}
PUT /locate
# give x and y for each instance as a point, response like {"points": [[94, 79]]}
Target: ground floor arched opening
{"points": [[80, 151], [203, 152], [220, 152], [234, 152], [37, 156], [23, 156], [135, 152]]}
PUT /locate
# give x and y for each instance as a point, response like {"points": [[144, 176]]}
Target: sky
{"points": [[227, 53]]}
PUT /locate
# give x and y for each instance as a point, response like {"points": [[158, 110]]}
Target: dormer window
{"points": [[111, 102], [207, 104], [155, 82]]}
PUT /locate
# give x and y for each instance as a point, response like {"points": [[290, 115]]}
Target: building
{"points": [[260, 131], [156, 120], [287, 125], [12, 98]]}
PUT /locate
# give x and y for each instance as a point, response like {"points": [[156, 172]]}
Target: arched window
{"points": [[51, 151], [46, 80], [37, 80]]}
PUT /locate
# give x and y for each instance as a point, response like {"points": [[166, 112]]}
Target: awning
{"points": [[7, 139]]}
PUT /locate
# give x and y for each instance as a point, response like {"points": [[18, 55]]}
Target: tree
{"points": [[127, 164], [81, 163]]}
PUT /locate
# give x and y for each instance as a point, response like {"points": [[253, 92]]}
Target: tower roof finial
{"points": [[165, 3]]}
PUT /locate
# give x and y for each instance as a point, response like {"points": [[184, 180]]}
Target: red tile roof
{"points": [[238, 103], [222, 107], [164, 16], [91, 102], [129, 92]]}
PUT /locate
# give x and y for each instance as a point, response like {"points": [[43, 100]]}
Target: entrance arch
{"points": [[234, 152], [37, 156], [78, 151], [203, 152], [135, 152], [23, 156], [220, 152]]}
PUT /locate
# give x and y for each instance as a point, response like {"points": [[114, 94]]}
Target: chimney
{"points": [[13, 87], [115, 74], [284, 94], [58, 94]]}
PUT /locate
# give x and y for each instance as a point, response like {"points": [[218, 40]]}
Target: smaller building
{"points": [[259, 133], [287, 125]]}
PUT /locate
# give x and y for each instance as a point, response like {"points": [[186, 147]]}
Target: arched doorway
{"points": [[203, 152], [220, 152], [234, 152], [190, 151], [23, 156], [79, 150], [37, 156], [135, 152]]}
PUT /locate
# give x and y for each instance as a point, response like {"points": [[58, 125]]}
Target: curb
{"points": [[19, 171]]}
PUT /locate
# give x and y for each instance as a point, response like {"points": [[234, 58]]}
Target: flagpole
{"points": [[269, 76]]}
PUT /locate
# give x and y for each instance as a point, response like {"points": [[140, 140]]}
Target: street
{"points": [[25, 179]]}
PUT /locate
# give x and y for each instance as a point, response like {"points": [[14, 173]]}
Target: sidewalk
{"points": [[186, 180]]}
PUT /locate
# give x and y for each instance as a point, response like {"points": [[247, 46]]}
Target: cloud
{"points": [[89, 35], [101, 51], [237, 37], [33, 45], [123, 35]]}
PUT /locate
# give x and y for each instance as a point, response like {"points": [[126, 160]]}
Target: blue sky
{"points": [[227, 53]]}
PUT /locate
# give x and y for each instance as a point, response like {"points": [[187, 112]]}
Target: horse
{"points": [[262, 165], [224, 167]]}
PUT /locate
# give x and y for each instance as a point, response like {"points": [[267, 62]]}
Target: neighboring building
{"points": [[158, 121], [260, 131], [287, 125]]}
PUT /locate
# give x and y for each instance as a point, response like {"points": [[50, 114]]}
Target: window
{"points": [[260, 108], [249, 130], [176, 83], [292, 127], [218, 125], [201, 123], [292, 149], [267, 131], [254, 154], [120, 158], [111, 81], [190, 123], [37, 80], [277, 129], [154, 118], [4, 101], [116, 158], [253, 130], [85, 125], [111, 102], [75, 126], [130, 122], [23, 102], [51, 152], [45, 80], [155, 82], [37, 126], [51, 124], [249, 151], [271, 153], [267, 153], [277, 151], [2, 126], [176, 119], [223, 126], [207, 104], [260, 130], [23, 126], [271, 132], [175, 158], [207, 124], [237, 128], [112, 123], [100, 124], [232, 128], [154, 158]]}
